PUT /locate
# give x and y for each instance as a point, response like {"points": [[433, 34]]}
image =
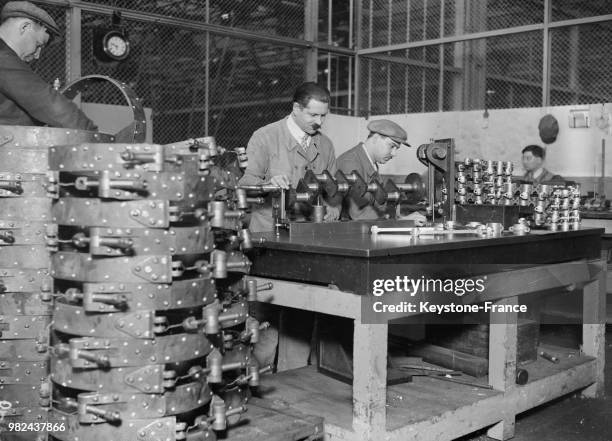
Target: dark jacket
{"points": [[357, 159], [27, 100], [544, 177]]}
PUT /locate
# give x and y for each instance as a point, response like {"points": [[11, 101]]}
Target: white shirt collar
{"points": [[295, 130], [369, 157]]}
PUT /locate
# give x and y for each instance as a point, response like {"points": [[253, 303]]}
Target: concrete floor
{"points": [[570, 418]]}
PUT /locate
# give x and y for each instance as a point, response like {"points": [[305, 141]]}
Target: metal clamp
{"points": [[215, 317]]}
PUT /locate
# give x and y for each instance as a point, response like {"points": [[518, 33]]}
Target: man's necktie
{"points": [[304, 143]]}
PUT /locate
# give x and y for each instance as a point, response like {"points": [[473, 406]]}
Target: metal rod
{"points": [[602, 184], [546, 55], [487, 34], [143, 16], [207, 72]]}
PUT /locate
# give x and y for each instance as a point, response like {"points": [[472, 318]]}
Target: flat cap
{"points": [[31, 11], [389, 129], [549, 129]]}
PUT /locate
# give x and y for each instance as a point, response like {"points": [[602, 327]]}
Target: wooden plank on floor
{"points": [[312, 393], [274, 421], [455, 423]]}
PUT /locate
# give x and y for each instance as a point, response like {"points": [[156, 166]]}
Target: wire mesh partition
{"points": [[427, 55], [404, 56]]}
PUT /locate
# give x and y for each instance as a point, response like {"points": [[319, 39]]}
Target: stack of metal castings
{"points": [[26, 287], [482, 182], [562, 212], [151, 334]]}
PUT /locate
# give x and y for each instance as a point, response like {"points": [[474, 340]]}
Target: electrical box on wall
{"points": [[579, 119]]}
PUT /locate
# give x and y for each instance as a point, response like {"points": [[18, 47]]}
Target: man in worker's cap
{"points": [[383, 142], [25, 98]]}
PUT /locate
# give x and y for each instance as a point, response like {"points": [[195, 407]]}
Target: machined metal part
{"points": [[96, 408], [358, 188], [13, 280], [144, 378], [114, 297], [25, 349], [377, 191], [23, 232], [131, 429], [219, 413], [428, 231], [33, 414], [35, 209], [26, 303], [223, 262], [15, 141], [26, 395], [216, 317], [22, 185], [94, 156], [83, 268], [136, 131], [73, 320], [23, 159], [17, 327], [23, 372], [107, 353], [179, 240], [217, 363], [114, 214], [136, 185], [24, 256], [221, 216]]}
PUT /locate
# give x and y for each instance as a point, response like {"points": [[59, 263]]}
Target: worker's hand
{"points": [[281, 181], [418, 218], [331, 214]]}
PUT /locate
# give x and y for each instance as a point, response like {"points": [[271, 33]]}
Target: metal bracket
{"points": [[138, 324], [180, 294], [81, 267], [23, 326], [158, 429], [23, 372], [115, 214], [120, 352]]}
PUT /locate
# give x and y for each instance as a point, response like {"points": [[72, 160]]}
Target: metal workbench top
{"points": [[351, 260], [365, 244]]}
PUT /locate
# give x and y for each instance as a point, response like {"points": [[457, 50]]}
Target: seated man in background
{"points": [[381, 145], [533, 163]]}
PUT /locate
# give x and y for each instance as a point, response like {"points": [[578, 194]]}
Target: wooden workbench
{"points": [[301, 268]]}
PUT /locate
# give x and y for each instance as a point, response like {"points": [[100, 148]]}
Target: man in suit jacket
{"points": [[25, 98], [381, 145], [281, 152], [533, 163]]}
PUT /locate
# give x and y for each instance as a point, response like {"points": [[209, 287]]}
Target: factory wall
{"points": [[576, 154]]}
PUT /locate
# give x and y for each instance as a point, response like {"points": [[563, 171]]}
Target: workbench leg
{"points": [[502, 361], [369, 381], [594, 328]]}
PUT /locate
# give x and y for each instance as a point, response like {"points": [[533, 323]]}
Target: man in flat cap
{"points": [[383, 142], [25, 98]]}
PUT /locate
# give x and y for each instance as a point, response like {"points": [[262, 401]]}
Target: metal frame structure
{"points": [[354, 51], [383, 53]]}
